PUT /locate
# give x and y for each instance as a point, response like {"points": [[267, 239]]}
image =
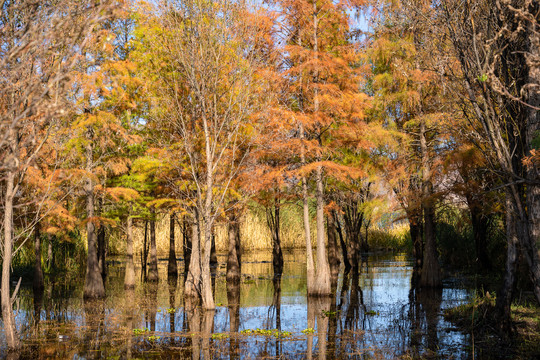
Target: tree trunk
{"points": [[322, 285], [480, 225], [153, 275], [144, 252], [172, 268], [50, 254], [187, 235], [416, 230], [233, 256], [206, 275], [93, 286], [431, 272], [505, 294], [129, 279], [37, 281], [307, 232], [102, 251], [10, 330], [273, 221], [343, 246], [213, 254], [193, 279], [333, 250]]}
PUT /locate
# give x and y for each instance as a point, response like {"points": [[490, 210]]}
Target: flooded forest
{"points": [[278, 179]]}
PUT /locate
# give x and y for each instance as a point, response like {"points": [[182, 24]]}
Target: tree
{"points": [[40, 44], [205, 95]]}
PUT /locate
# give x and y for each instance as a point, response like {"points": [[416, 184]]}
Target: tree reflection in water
{"points": [[375, 313]]}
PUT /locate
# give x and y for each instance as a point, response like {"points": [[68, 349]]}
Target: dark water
{"points": [[373, 315]]}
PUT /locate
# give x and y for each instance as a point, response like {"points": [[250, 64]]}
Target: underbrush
{"points": [[479, 318]]}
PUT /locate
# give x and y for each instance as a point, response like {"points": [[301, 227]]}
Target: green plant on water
{"points": [[266, 332], [261, 277], [219, 304], [153, 338], [140, 331], [249, 282], [308, 331], [171, 310], [372, 313], [219, 336], [329, 313]]}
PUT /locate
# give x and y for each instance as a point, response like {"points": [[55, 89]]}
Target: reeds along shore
{"points": [[255, 235]]}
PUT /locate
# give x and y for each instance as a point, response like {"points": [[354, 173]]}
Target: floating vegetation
{"points": [[372, 313], [267, 332], [308, 331], [220, 336], [140, 331], [154, 338], [329, 313], [171, 310]]}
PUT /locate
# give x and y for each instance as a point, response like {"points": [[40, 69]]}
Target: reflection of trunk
{"points": [[356, 301], [172, 267], [93, 285], [193, 313], [430, 299], [333, 251], [480, 225], [151, 296], [94, 315], [187, 235], [234, 257], [431, 271], [38, 304], [173, 281], [273, 221], [193, 279], [207, 329], [505, 294], [129, 296], [38, 272], [322, 311], [153, 266], [129, 279], [233, 300]]}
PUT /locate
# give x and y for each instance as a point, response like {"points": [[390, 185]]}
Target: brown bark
{"points": [[343, 246], [207, 295], [193, 280], [416, 231], [505, 294], [273, 221], [93, 285], [5, 294], [307, 232], [102, 251], [129, 279], [431, 272], [333, 250], [153, 275], [233, 255], [187, 236], [172, 267], [37, 281]]}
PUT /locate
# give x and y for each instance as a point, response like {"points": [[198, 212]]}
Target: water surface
{"points": [[372, 315]]}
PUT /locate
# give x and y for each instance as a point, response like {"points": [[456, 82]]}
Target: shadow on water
{"points": [[376, 312]]}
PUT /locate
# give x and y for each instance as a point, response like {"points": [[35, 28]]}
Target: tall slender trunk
{"points": [[187, 236], [505, 294], [193, 279], [233, 256], [144, 252], [129, 279], [307, 232], [431, 271], [322, 285], [343, 246], [102, 251], [10, 330], [172, 268], [213, 253], [273, 222], [50, 254], [333, 250], [206, 275], [153, 275], [93, 286], [38, 272]]}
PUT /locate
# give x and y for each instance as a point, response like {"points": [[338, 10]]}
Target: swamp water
{"points": [[373, 315]]}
